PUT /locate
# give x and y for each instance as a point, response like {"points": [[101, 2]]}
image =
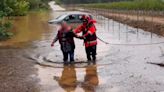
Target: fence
{"points": [[151, 21]]}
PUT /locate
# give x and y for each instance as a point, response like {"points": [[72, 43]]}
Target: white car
{"points": [[70, 17]]}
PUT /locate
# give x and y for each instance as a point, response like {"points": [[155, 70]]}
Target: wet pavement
{"points": [[123, 65]]}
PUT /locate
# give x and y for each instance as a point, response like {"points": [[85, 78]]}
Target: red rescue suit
{"points": [[89, 33], [90, 38]]}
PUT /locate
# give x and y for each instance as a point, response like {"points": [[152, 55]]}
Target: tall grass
{"points": [[130, 5]]}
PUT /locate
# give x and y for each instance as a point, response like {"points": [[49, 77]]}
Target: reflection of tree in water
{"points": [[68, 79], [91, 79]]}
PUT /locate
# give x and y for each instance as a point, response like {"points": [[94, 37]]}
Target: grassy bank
{"points": [[130, 5]]}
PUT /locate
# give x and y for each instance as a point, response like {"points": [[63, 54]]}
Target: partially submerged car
{"points": [[70, 17]]}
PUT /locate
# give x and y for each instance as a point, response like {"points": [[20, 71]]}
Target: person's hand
{"points": [[52, 44], [80, 37]]}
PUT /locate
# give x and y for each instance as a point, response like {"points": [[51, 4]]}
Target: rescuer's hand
{"points": [[81, 37]]}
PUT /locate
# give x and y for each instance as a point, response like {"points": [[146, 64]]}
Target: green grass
{"points": [[130, 5]]}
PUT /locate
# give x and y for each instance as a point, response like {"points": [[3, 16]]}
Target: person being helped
{"points": [[88, 30], [66, 36]]}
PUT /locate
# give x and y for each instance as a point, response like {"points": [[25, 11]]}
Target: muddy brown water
{"points": [[29, 28]]}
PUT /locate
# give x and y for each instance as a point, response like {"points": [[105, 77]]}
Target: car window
{"points": [[75, 18], [61, 17], [71, 18], [80, 17]]}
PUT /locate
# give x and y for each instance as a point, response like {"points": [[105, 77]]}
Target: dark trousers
{"points": [[91, 52], [68, 54]]}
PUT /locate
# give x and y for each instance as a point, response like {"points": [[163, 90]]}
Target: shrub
{"points": [[4, 27]]}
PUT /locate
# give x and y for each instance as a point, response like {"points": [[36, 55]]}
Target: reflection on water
{"points": [[91, 79], [68, 80]]}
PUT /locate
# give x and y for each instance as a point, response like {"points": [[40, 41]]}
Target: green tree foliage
{"points": [[4, 26], [21, 7], [37, 4], [14, 7]]}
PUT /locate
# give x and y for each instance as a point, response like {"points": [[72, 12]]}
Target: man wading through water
{"points": [[88, 30], [66, 39]]}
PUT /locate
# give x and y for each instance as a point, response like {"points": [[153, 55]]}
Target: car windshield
{"points": [[61, 17]]}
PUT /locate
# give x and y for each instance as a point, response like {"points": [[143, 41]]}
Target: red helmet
{"points": [[87, 19]]}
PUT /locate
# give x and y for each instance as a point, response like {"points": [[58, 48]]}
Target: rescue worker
{"points": [[66, 36], [88, 30]]}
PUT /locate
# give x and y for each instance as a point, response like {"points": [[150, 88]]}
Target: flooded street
{"points": [[123, 65]]}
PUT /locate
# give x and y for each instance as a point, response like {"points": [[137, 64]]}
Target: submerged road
{"points": [[36, 67]]}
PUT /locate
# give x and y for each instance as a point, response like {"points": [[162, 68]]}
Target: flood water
{"points": [[30, 28], [119, 68]]}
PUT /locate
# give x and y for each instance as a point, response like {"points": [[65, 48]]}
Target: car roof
{"points": [[61, 17], [77, 12]]}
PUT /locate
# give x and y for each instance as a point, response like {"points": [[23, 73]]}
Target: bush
{"points": [[14, 7], [4, 27], [4, 33], [21, 8], [38, 4]]}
